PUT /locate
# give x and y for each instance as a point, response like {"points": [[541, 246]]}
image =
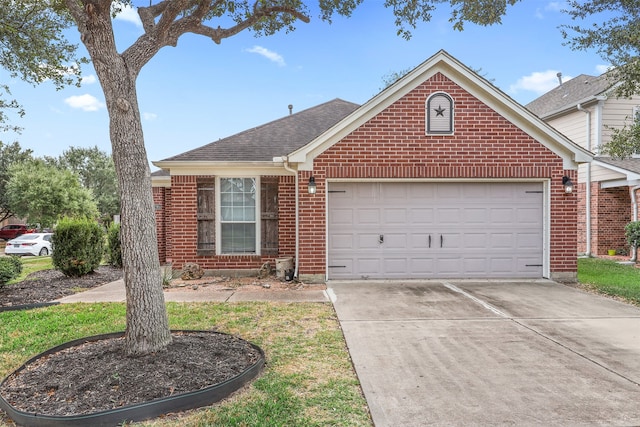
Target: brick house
{"points": [[584, 109], [440, 175]]}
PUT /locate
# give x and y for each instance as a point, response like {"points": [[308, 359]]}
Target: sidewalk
{"points": [[115, 292]]}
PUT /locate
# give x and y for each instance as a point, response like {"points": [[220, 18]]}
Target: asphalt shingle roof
{"points": [[631, 164], [569, 94], [273, 139]]}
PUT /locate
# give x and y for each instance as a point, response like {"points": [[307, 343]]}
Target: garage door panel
{"points": [[342, 217], [448, 216], [422, 241], [529, 241], [478, 241], [367, 216], [369, 266], [367, 241], [422, 266], [475, 215], [474, 267], [421, 216], [487, 230], [502, 216], [501, 240], [342, 242], [392, 216], [395, 266], [395, 241]]}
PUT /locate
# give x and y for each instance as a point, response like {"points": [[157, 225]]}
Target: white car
{"points": [[36, 244]]}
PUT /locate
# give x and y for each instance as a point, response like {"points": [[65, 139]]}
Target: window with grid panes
{"points": [[238, 234]]}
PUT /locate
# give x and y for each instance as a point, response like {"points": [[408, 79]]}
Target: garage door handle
{"points": [[441, 240], [381, 239], [429, 240]]}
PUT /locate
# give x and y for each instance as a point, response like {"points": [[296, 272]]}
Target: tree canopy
{"points": [[10, 154], [44, 194], [97, 173], [613, 31]]}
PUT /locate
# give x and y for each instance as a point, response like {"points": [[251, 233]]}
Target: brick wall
{"points": [[159, 200], [611, 213], [182, 227], [394, 145]]}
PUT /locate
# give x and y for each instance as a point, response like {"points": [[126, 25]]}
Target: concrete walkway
{"points": [[458, 353], [115, 292]]}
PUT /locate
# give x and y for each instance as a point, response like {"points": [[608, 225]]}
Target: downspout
{"points": [[588, 182], [634, 206], [285, 159]]}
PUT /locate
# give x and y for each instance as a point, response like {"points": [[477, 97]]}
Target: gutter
{"points": [[285, 160], [588, 182]]}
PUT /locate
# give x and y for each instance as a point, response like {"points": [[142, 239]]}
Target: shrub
{"points": [[632, 233], [78, 246], [10, 268], [114, 250]]}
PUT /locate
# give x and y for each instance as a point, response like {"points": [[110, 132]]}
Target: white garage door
{"points": [[435, 230]]}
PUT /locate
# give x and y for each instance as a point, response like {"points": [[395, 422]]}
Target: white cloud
{"points": [[271, 56], [556, 6], [90, 79], [602, 68], [539, 82], [84, 102], [127, 13], [149, 116], [553, 6]]}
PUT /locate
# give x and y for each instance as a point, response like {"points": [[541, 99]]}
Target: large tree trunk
{"points": [[147, 323]]}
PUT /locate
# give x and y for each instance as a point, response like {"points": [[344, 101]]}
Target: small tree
{"points": [[43, 194], [10, 154], [78, 246], [97, 173], [632, 233]]}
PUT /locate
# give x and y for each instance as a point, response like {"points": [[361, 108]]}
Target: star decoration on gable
{"points": [[439, 111]]}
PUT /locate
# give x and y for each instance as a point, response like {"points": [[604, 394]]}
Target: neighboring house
{"points": [[584, 109], [441, 175]]}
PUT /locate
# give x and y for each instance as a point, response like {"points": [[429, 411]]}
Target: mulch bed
{"points": [[98, 376], [49, 285]]}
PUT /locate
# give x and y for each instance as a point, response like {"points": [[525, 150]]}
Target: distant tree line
{"points": [[79, 183]]}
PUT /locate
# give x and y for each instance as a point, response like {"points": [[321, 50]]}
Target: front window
{"points": [[238, 234]]}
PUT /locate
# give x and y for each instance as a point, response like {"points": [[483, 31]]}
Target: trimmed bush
{"points": [[10, 268], [78, 246], [114, 250]]}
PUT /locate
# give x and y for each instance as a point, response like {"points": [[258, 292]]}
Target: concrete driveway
{"points": [[491, 353]]}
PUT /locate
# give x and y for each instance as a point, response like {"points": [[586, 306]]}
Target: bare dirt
{"points": [[98, 376]]}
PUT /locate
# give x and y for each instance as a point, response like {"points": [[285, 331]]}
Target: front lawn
{"points": [[31, 264], [308, 379], [610, 278]]}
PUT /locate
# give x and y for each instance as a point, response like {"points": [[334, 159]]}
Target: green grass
{"points": [[308, 379], [32, 264], [610, 278]]}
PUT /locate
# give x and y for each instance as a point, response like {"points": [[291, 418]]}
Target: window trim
{"points": [[219, 222]]}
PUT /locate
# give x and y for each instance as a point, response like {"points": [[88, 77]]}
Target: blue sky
{"points": [[199, 92]]}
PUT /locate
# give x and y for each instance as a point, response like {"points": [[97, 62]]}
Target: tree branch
{"points": [[167, 30]]}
